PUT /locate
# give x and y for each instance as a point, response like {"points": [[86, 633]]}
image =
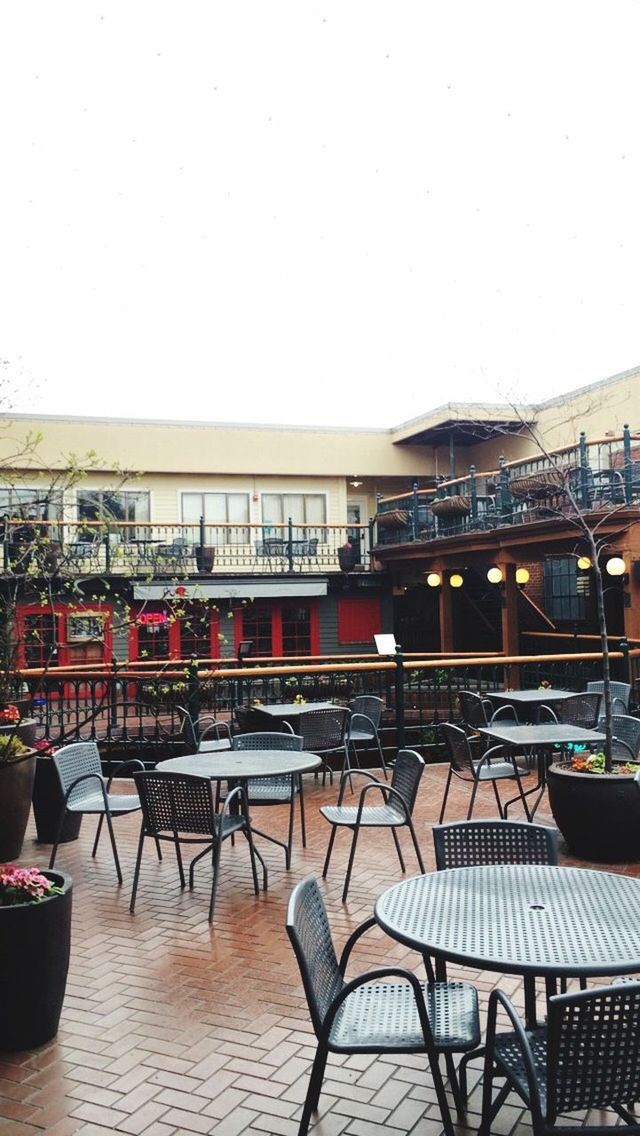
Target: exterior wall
{"points": [[598, 408]]}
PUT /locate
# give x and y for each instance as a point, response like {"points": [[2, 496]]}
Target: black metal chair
{"points": [[479, 712], [207, 735], [620, 694], [324, 732], [496, 764], [626, 736], [587, 1057], [86, 790], [364, 724], [370, 1013], [275, 790], [393, 812], [180, 809], [578, 710], [467, 844]]}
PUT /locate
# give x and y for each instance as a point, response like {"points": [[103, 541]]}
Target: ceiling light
{"points": [[354, 481]]}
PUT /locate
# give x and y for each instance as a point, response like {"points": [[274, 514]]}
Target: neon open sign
{"points": [[152, 618]]}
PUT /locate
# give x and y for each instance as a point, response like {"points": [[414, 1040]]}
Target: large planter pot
{"points": [[26, 729], [47, 806], [16, 788], [346, 558], [597, 814], [205, 556], [34, 959], [455, 506]]}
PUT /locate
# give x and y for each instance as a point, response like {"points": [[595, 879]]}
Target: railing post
{"points": [[107, 551], [474, 492], [399, 699], [193, 689], [371, 541], [113, 694], [626, 661], [584, 472], [628, 468], [200, 559], [290, 545], [414, 510], [505, 493]]}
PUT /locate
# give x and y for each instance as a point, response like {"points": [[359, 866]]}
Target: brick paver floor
{"points": [[173, 1027]]}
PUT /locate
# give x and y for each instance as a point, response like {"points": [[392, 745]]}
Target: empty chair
{"points": [[379, 806], [86, 790], [468, 843], [386, 1010], [587, 1057], [324, 732], [496, 764], [275, 790], [578, 710], [626, 736], [364, 724], [620, 694], [207, 735], [180, 808], [246, 720]]}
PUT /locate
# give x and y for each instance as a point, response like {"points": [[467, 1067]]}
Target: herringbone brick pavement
{"points": [[173, 1027]]}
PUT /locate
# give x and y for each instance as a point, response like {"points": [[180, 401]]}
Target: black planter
{"points": [[16, 788], [205, 556], [346, 558], [47, 806], [34, 959], [26, 729], [597, 814]]}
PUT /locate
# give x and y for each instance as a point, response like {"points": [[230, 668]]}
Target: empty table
{"points": [[527, 702], [524, 919], [288, 711]]}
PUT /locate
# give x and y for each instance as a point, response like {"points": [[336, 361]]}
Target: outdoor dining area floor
{"points": [[173, 1026]]}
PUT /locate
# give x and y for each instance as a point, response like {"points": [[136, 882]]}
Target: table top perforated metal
{"points": [[237, 765], [522, 919], [528, 697], [281, 710]]}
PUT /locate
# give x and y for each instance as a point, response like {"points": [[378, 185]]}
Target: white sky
{"points": [[318, 212]]}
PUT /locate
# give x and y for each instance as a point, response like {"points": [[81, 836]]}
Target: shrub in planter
{"points": [[595, 809], [48, 801]]}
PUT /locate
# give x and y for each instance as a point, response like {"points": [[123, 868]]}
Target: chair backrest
{"points": [[71, 762], [579, 710], [370, 706], [174, 802], [593, 1049], [188, 729], [405, 779], [468, 844], [458, 750], [247, 720], [312, 547], [323, 729], [267, 741], [620, 691], [472, 709], [310, 935], [627, 729]]}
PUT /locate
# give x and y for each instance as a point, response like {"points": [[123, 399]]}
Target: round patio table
{"points": [[522, 919]]}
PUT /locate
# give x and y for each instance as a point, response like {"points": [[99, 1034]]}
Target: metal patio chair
{"points": [[496, 764], [386, 1010], [180, 809], [325, 732], [275, 790], [466, 844], [620, 694], [478, 712], [587, 1057], [578, 710], [86, 790], [204, 736], [626, 736], [393, 808], [364, 724]]}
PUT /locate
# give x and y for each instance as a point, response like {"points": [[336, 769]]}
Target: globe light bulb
{"points": [[522, 575], [584, 563], [456, 580], [494, 575], [434, 579], [616, 566]]}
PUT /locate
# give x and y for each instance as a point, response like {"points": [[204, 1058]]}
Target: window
{"points": [[152, 634], [40, 639], [306, 510], [219, 510], [562, 595], [279, 629], [359, 619], [30, 504], [197, 626], [107, 507]]}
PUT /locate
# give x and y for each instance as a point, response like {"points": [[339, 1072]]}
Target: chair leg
{"points": [[183, 884], [347, 879], [334, 829], [472, 801], [215, 864], [498, 801], [136, 873], [292, 809], [458, 1098], [416, 846], [54, 850], [441, 1095], [313, 1091], [303, 828], [398, 850], [382, 760], [97, 839], [446, 794], [113, 845]]}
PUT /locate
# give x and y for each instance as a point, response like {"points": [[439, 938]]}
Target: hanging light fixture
{"points": [[522, 576], [615, 566], [584, 563], [355, 482], [456, 580], [494, 575], [434, 579]]}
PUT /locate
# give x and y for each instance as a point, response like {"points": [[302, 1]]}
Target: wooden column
{"points": [[510, 629], [446, 615], [631, 556]]}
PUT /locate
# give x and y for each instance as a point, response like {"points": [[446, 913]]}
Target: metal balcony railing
{"points": [[597, 476]]}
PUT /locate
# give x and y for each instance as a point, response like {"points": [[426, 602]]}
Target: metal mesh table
{"points": [[522, 919]]}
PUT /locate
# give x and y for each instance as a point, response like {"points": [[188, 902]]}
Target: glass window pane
{"points": [[315, 509], [271, 509], [293, 506], [215, 507], [191, 507], [238, 508]]}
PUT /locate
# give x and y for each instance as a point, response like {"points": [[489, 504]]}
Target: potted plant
{"points": [[35, 937], [346, 556], [17, 772], [48, 801], [595, 804]]}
